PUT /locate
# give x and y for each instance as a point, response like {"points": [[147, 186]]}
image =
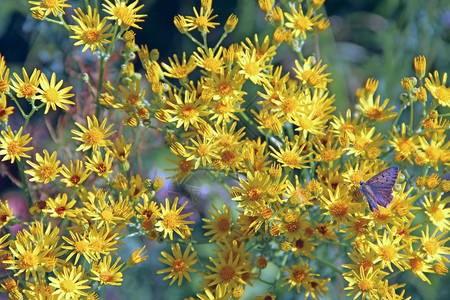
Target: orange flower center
{"points": [[14, 148], [227, 274], [51, 95], [171, 220], [106, 276], [298, 275], [179, 265], [93, 136], [365, 285], [91, 35], [67, 285], [28, 90]]}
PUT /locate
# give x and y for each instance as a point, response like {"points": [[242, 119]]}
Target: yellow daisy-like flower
{"points": [[5, 110], [60, 207], [90, 31], [404, 145], [291, 155], [69, 282], [75, 175], [220, 225], [371, 109], [78, 245], [209, 60], [388, 250], [13, 146], [299, 275], [299, 22], [439, 91], [125, 15], [202, 151], [253, 68], [95, 136], [226, 272], [132, 93], [312, 77], [5, 213], [170, 219], [179, 264], [252, 193], [46, 169], [47, 7], [201, 21], [107, 274], [4, 76], [51, 94], [436, 210], [102, 166], [179, 70], [26, 257], [363, 140], [364, 283], [187, 112], [29, 86], [434, 247]]}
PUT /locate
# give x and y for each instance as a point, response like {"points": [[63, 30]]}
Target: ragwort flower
{"points": [[13, 146], [125, 15], [90, 31], [45, 169], [51, 95], [179, 264], [95, 136]]}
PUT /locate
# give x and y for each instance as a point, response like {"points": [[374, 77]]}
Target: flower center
{"points": [[51, 95], [179, 265], [171, 220], [91, 35]]}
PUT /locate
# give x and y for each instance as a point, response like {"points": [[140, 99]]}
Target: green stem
{"points": [[193, 39], [224, 35], [327, 263], [283, 263], [411, 117], [25, 188]]}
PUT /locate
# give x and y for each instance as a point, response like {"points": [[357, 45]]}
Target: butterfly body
{"points": [[378, 189]]}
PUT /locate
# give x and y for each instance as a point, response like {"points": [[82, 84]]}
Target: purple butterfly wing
{"points": [[378, 189], [383, 197], [385, 179]]}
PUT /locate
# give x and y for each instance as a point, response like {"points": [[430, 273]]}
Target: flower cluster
{"points": [[292, 163]]}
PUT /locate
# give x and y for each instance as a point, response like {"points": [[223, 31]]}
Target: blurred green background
{"points": [[366, 39]]}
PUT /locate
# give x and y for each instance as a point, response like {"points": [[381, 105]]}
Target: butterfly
{"points": [[378, 189]]}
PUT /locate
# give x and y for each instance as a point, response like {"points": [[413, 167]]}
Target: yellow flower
{"points": [[170, 219], [78, 245], [184, 168], [137, 257], [107, 274], [363, 140], [47, 7], [132, 93], [220, 225], [265, 50], [294, 224], [5, 214], [299, 22], [95, 136], [364, 283], [29, 86], [4, 76], [90, 31], [177, 70], [420, 66], [312, 77], [74, 176], [434, 247], [51, 95], [315, 287], [388, 250], [201, 21], [437, 212], [179, 265], [434, 150], [209, 60], [291, 155], [99, 165], [26, 257], [371, 109], [187, 112], [60, 207], [439, 91], [253, 68], [226, 272], [69, 282], [418, 265], [13, 146], [5, 110], [299, 275], [403, 144], [339, 205], [125, 15], [46, 169], [202, 151]]}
